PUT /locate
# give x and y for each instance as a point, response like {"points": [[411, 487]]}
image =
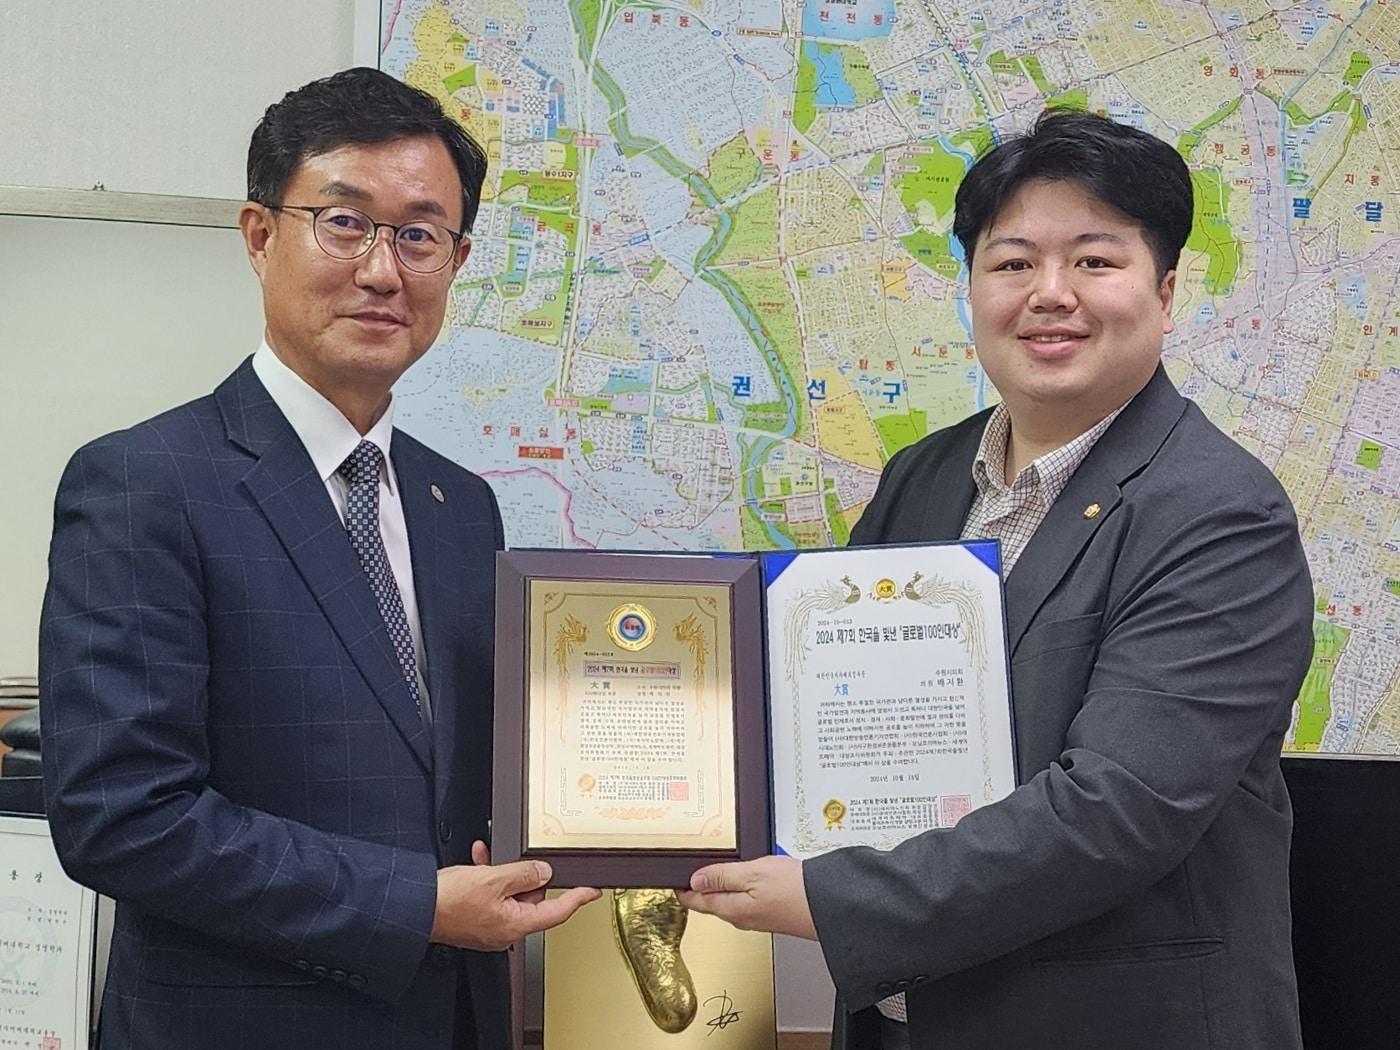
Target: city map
{"points": [[713, 286]]}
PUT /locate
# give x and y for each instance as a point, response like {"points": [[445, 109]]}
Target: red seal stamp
{"points": [[51, 1042], [952, 808]]}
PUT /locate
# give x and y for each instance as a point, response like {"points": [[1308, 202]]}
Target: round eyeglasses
{"points": [[348, 233]]}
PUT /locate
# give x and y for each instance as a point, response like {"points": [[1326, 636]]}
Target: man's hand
{"points": [[490, 908], [765, 894]]}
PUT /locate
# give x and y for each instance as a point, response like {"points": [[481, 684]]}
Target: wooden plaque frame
{"points": [[629, 867]]}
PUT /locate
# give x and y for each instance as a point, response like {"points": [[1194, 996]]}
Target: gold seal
{"points": [[631, 627], [834, 812], [587, 783], [885, 589]]}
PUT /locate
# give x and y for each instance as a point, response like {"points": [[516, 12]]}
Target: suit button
{"points": [[442, 955], [355, 981], [884, 988], [921, 979], [318, 971], [445, 830], [338, 976], [302, 965]]}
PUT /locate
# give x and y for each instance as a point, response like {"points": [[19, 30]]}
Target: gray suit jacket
{"points": [[1133, 890]]}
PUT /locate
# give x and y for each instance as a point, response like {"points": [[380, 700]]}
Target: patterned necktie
{"points": [[361, 472]]}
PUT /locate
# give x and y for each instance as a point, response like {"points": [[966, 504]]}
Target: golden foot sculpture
{"points": [[648, 925]]}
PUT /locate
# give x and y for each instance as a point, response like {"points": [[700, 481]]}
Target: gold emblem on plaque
{"points": [[834, 812], [649, 925], [632, 627], [885, 589]]}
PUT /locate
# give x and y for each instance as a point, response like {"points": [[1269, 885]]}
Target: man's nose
{"points": [[379, 267], [1053, 289]]}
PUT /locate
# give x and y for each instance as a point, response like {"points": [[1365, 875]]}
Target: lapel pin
{"points": [[1091, 511], [437, 495]]}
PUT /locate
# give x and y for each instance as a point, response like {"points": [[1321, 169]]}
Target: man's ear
{"points": [[1166, 294], [258, 227], [459, 257]]}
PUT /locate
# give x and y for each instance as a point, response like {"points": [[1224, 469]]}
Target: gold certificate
{"points": [[630, 716]]}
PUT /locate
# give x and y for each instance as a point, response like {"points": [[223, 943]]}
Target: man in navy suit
{"points": [[266, 649], [1133, 890]]}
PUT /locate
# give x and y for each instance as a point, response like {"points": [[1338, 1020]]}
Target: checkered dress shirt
{"points": [[1012, 513]]}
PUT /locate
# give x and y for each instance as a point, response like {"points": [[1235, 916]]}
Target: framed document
{"points": [[47, 923], [631, 730], [889, 689]]}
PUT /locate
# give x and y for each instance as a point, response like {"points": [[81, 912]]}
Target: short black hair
{"points": [[1135, 172], [355, 107]]}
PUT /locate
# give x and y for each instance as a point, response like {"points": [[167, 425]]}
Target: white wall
{"points": [[102, 324], [153, 97]]}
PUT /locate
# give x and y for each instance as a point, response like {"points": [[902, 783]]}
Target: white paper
{"points": [[889, 694], [46, 935]]}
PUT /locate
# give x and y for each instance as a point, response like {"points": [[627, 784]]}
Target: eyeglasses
{"points": [[348, 233]]}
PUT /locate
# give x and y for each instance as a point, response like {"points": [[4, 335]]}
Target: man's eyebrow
{"points": [[1009, 242], [336, 188], [1028, 244], [1103, 235]]}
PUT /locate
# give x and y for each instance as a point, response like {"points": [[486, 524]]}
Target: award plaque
{"points": [[630, 718]]}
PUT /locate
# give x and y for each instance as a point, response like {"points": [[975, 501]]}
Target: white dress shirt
{"points": [[329, 439]]}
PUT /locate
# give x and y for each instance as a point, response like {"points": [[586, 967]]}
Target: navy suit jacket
{"points": [[230, 749], [1133, 890]]}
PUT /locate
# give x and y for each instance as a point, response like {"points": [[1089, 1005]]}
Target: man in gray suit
{"points": [[1133, 890]]}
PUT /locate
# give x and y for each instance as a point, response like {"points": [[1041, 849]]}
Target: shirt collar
{"points": [[1047, 474], [328, 436], [989, 466]]}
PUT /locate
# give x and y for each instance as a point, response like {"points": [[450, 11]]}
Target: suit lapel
{"points": [[436, 609], [1057, 543], [1129, 443], [292, 496]]}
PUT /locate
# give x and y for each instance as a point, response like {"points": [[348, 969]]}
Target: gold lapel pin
{"points": [[1092, 510], [437, 494]]}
